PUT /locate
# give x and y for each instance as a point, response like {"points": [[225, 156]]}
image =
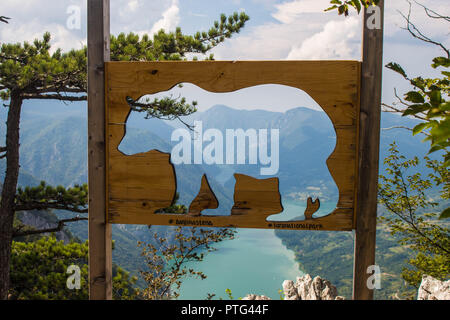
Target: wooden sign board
{"points": [[141, 184]]}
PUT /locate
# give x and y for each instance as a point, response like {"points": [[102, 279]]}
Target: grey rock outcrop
{"points": [[255, 297], [433, 289], [304, 288], [307, 288]]}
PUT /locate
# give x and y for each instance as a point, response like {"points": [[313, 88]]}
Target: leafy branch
{"points": [[417, 33], [343, 6], [167, 261], [405, 196], [428, 101]]}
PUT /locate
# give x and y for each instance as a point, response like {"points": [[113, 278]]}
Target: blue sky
{"points": [[278, 30]]}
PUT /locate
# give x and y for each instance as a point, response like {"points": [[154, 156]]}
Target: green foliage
{"points": [[33, 73], [39, 271], [166, 260], [44, 197], [175, 207], [175, 45], [229, 294], [172, 46], [445, 214], [167, 108], [32, 70], [330, 256], [405, 197], [343, 6], [429, 102]]}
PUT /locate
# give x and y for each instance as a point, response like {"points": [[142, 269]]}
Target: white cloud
{"points": [[133, 5], [31, 18], [288, 12], [338, 40], [61, 36], [294, 31], [170, 19], [275, 40]]}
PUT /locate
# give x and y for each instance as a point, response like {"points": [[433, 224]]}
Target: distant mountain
{"points": [[307, 138], [54, 148]]}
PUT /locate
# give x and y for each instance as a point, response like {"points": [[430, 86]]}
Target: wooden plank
{"points": [[206, 199], [311, 208], [334, 85], [100, 243], [256, 197], [145, 180], [369, 144], [131, 213]]}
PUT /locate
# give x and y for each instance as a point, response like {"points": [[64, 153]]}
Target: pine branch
{"points": [[167, 108], [45, 197], [59, 227], [16, 59], [60, 97], [33, 205]]}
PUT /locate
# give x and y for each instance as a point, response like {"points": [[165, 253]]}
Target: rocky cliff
{"points": [[307, 288]]}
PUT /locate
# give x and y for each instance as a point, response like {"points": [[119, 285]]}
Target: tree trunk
{"points": [[9, 191]]}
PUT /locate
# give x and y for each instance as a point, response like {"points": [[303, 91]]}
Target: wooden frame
{"points": [[362, 204], [368, 153], [141, 184], [100, 242]]}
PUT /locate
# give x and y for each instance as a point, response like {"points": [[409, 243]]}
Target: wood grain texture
{"points": [[100, 241], [206, 199], [145, 180], [256, 197], [334, 85], [369, 146], [311, 208]]}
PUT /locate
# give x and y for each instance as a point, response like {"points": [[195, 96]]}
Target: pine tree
{"points": [[29, 71], [39, 271]]}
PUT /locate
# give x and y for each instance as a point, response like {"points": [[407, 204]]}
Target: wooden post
{"points": [[100, 242], [369, 145]]}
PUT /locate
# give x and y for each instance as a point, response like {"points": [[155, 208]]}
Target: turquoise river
{"points": [[256, 261]]}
